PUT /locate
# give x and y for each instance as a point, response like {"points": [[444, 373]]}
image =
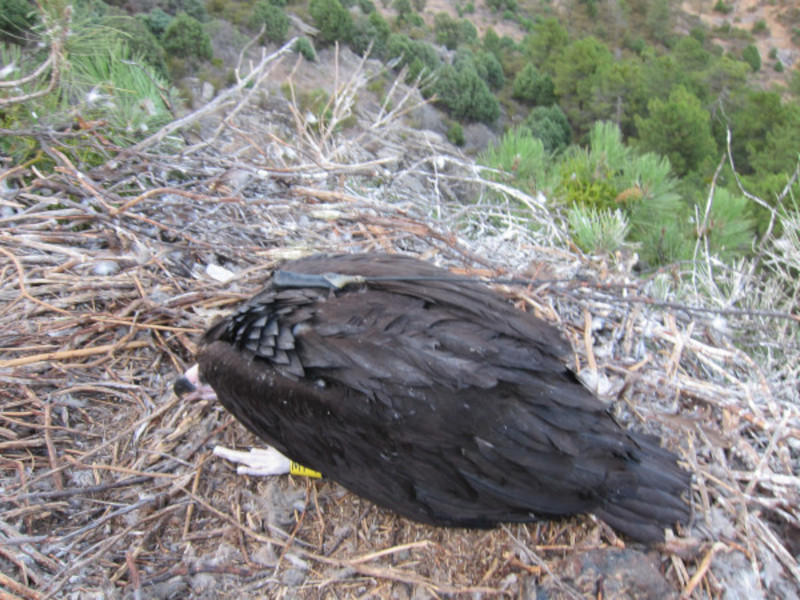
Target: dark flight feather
{"points": [[436, 399]]}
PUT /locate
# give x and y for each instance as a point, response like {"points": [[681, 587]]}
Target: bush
{"points": [[193, 8], [723, 8], [679, 128], [100, 81], [455, 133], [466, 95], [502, 5], [731, 226], [415, 20], [634, 43], [608, 175], [550, 124], [533, 88], [141, 43], [332, 19], [17, 17], [752, 57], [452, 33], [274, 19], [698, 33], [403, 8], [490, 69], [599, 232], [372, 30], [760, 27], [519, 155], [418, 56], [485, 64], [305, 48], [186, 38], [156, 21]]}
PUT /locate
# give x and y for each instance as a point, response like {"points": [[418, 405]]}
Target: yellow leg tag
{"points": [[298, 469]]}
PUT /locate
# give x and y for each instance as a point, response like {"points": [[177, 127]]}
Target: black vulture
{"points": [[431, 395]]}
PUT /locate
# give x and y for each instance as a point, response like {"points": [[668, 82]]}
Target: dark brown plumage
{"points": [[436, 399]]}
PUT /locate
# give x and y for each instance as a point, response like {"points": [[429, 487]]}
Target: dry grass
{"points": [[108, 485]]}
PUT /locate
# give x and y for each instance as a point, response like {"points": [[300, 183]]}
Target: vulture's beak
{"points": [[183, 386], [189, 383]]}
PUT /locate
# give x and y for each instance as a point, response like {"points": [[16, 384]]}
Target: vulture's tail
{"points": [[658, 501]]}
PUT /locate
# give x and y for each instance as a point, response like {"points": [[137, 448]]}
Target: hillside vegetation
{"points": [[679, 94]]}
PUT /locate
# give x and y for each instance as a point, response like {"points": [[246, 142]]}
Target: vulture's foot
{"points": [[259, 462]]}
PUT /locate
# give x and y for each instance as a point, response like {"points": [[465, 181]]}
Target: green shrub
{"points": [[305, 48], [156, 21], [760, 27], [490, 69], [403, 8], [415, 20], [698, 33], [332, 19], [721, 7], [600, 232], [730, 227], [17, 18], [275, 21], [751, 56], [520, 156], [455, 133], [634, 43], [370, 30], [610, 176], [465, 94], [452, 33], [533, 88], [141, 43], [219, 8], [778, 67], [193, 8], [418, 56], [485, 64], [186, 38], [502, 5], [679, 128], [100, 81], [549, 124], [591, 8]]}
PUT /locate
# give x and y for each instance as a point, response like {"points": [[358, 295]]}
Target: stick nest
{"points": [[109, 274]]}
